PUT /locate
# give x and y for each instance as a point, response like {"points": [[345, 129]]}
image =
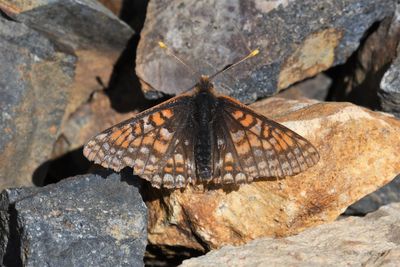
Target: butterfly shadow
{"points": [[150, 193], [231, 187]]}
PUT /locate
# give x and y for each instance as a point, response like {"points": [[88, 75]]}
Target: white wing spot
{"points": [[228, 178], [240, 177], [128, 161], [144, 150], [106, 146], [165, 133], [101, 136]]}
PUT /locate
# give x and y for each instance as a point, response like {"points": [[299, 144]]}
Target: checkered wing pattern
{"points": [[153, 143], [249, 146]]}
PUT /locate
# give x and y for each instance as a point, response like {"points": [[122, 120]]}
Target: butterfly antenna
{"points": [[171, 53], [253, 53]]}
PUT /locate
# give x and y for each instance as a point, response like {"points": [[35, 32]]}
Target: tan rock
{"points": [[316, 54], [369, 241], [360, 152]]}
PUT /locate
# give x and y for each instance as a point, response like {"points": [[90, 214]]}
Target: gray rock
{"points": [[297, 40], [82, 221], [373, 240], [383, 196], [34, 89]]}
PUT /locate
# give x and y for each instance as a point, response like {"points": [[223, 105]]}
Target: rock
{"points": [[81, 221], [351, 166], [54, 55], [383, 196], [369, 241], [297, 39], [35, 84]]}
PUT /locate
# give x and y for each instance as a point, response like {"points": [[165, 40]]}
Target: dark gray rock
{"points": [[385, 195], [34, 88], [297, 40], [82, 221]]}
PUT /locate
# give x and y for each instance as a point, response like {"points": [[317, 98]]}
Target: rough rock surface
{"points": [[360, 152], [35, 80], [81, 221], [54, 55], [297, 39], [373, 240]]}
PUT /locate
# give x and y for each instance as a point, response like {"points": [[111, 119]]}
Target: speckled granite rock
{"points": [[350, 167], [81, 221], [369, 241], [297, 39]]}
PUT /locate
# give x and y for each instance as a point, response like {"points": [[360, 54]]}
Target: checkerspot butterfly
{"points": [[200, 137]]}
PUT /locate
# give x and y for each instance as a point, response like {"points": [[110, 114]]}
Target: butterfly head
{"points": [[204, 84]]}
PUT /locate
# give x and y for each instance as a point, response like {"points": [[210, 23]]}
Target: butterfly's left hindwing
{"points": [[252, 146], [153, 143]]}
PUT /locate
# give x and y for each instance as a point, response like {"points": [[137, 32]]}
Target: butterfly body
{"points": [[201, 137], [204, 115]]}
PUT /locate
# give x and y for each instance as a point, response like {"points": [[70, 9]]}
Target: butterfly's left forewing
{"points": [[255, 146], [153, 143]]}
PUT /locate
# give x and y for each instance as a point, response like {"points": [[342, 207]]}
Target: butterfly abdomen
{"points": [[204, 113]]}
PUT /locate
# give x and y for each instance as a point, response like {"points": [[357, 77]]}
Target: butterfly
{"points": [[200, 137]]}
